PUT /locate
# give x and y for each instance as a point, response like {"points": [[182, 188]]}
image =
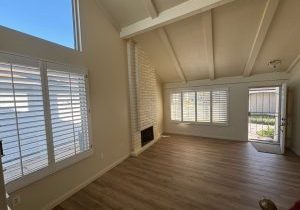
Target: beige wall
{"points": [[104, 56], [294, 86], [160, 106]]}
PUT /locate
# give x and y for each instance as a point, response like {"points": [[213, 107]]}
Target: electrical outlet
{"points": [[16, 200]]}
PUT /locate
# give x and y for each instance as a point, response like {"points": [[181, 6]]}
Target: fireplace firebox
{"points": [[147, 135]]}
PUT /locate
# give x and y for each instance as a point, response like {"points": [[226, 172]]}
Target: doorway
{"points": [[267, 118], [264, 114]]}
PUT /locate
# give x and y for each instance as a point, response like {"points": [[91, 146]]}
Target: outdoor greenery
{"points": [[263, 119], [269, 132]]}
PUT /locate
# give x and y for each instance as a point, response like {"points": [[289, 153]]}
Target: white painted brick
{"points": [[143, 93]]}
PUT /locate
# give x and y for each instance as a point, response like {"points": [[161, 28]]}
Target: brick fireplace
{"points": [[144, 92]]}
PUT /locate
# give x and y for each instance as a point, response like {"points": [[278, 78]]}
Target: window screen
{"points": [[176, 106], [203, 106], [189, 106], [219, 106]]}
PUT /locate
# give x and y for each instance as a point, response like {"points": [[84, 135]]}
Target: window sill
{"points": [[44, 172], [201, 124]]}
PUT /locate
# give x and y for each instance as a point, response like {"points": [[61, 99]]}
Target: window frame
{"points": [[210, 106], [77, 30], [52, 167], [77, 25], [195, 105], [211, 123], [170, 100], [227, 108]]}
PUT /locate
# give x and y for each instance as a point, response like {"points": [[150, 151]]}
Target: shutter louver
{"points": [[203, 106], [22, 123], [69, 113], [220, 106], [189, 106], [176, 107]]}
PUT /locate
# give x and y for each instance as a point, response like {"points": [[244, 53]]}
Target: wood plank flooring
{"points": [[187, 173]]}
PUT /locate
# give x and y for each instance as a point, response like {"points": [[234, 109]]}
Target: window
{"points": [[203, 106], [209, 106], [189, 108], [219, 106], [22, 125], [176, 106], [43, 117], [68, 109], [53, 20]]}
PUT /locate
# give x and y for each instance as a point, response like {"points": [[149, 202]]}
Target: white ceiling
{"points": [[162, 5], [234, 28]]}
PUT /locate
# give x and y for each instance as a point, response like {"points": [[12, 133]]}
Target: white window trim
{"points": [[77, 25], [52, 167], [211, 123]]}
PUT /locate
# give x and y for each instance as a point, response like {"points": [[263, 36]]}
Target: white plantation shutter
{"points": [[220, 106], [43, 118], [189, 106], [203, 106], [176, 107], [22, 123], [68, 107]]}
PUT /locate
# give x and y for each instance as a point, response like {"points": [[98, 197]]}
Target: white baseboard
{"points": [[82, 185]]}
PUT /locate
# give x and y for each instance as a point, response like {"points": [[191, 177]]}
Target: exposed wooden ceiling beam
{"points": [[183, 10], [150, 6], [108, 16], [261, 33], [166, 41], [293, 64], [208, 35]]}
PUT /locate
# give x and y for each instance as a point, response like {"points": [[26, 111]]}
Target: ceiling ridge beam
{"points": [[183, 10], [208, 36], [293, 64], [265, 22], [166, 41], [151, 8]]}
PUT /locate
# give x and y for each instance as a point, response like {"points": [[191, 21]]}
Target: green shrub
{"points": [[263, 119], [266, 133]]}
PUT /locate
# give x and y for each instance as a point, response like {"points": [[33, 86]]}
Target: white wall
{"points": [[294, 86], [238, 106], [104, 54]]}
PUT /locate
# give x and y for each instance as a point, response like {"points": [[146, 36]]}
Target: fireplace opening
{"points": [[147, 135]]}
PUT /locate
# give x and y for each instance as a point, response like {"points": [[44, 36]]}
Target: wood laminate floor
{"points": [[187, 173]]}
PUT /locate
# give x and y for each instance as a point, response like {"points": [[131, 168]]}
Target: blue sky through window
{"points": [[51, 20]]}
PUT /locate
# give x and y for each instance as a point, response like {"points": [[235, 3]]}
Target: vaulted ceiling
{"points": [[200, 39]]}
